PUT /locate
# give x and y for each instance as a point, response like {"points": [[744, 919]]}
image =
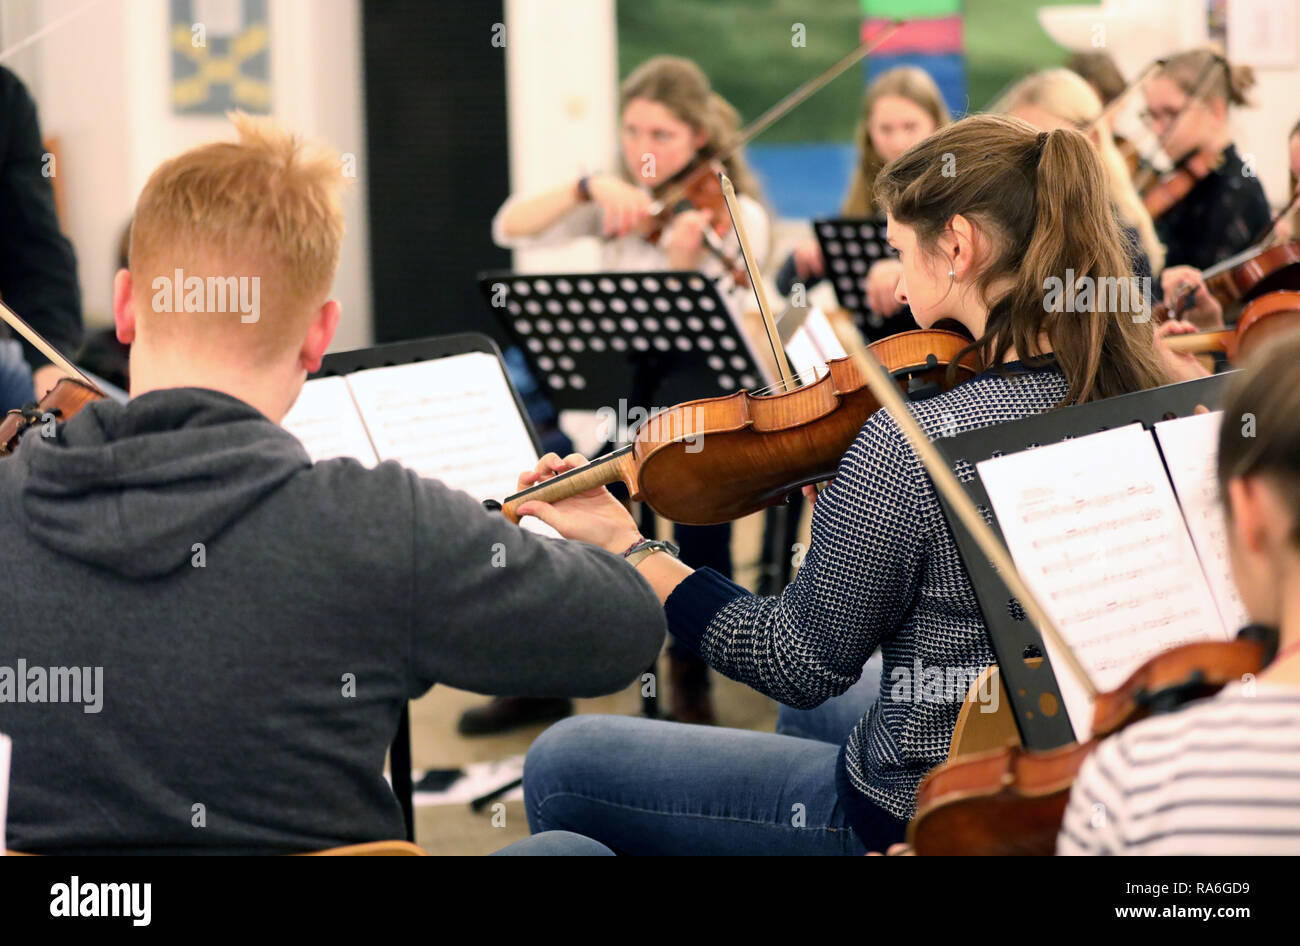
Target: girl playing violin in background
{"points": [[1222, 776], [882, 568], [901, 107], [671, 121], [1187, 101]]}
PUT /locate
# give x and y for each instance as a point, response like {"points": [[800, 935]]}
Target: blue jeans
{"points": [[15, 377], [642, 786], [834, 720], [645, 786], [555, 844]]}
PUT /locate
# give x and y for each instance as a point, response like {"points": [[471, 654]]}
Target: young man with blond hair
{"points": [[254, 623]]}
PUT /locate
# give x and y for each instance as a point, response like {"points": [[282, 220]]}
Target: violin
{"points": [[1249, 274], [60, 403], [757, 449], [1262, 320], [1170, 189], [698, 186], [1011, 801]]}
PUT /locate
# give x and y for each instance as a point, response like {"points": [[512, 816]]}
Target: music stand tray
{"points": [[597, 339], [849, 246]]}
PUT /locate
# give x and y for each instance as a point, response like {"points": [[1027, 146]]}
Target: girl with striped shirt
{"points": [[1222, 776]]}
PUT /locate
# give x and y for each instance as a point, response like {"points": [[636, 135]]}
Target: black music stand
{"points": [[403, 353], [849, 246], [1014, 639], [646, 338]]}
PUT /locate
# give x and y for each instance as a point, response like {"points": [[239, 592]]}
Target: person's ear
{"points": [[1249, 519], [319, 335], [700, 140], [958, 243], [123, 307]]}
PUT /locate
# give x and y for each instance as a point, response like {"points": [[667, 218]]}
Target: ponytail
{"points": [[1042, 199]]}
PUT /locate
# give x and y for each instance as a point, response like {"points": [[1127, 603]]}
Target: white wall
{"points": [[562, 99], [102, 85]]}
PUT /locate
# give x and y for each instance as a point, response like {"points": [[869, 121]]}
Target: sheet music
{"points": [[6, 748], [1191, 446], [1094, 527], [453, 419], [812, 345], [326, 421]]}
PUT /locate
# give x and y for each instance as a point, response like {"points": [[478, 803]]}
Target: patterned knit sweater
{"points": [[882, 570]]}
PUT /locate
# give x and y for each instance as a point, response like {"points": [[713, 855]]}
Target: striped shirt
{"points": [[1221, 776]]}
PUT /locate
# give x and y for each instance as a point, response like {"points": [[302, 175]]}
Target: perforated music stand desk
{"points": [[849, 246], [1013, 637], [653, 339], [405, 353]]}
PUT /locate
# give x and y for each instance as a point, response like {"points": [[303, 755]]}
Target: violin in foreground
{"points": [[59, 404]]}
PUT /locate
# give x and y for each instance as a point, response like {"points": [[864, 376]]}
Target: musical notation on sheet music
{"points": [[1190, 446], [1095, 528], [453, 419]]}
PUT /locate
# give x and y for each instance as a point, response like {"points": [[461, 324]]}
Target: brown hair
{"points": [[908, 82], [1100, 72], [1042, 198], [266, 206], [1260, 435], [1070, 98], [681, 87], [1206, 69]]}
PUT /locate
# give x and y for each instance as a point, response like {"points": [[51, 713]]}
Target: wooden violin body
{"points": [[717, 459], [62, 401], [1011, 801], [1263, 319], [1167, 192], [1247, 276]]}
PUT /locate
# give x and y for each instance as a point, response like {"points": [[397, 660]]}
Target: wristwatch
{"points": [[646, 548]]}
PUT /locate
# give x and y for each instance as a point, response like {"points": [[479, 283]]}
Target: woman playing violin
{"points": [[1222, 776], [883, 568], [1187, 102], [671, 121]]}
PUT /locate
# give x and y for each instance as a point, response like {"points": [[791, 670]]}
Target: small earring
{"points": [[951, 274]]}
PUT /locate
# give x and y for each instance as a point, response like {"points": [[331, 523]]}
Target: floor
{"points": [[435, 744]]}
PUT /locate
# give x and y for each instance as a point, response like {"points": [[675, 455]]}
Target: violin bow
{"points": [[891, 399], [1117, 101], [756, 280], [16, 322], [781, 109]]}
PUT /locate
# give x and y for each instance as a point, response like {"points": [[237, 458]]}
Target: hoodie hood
{"points": [[132, 487]]}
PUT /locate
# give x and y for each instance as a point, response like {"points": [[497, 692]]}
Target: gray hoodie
{"points": [[207, 640]]}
